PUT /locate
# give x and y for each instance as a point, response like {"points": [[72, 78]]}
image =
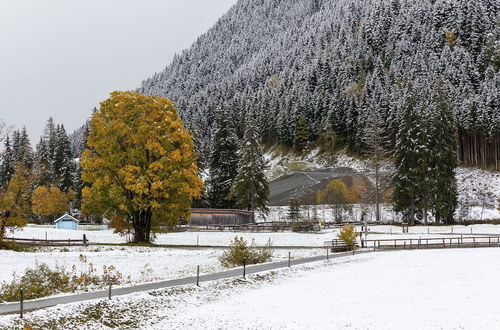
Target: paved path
{"points": [[48, 302]]}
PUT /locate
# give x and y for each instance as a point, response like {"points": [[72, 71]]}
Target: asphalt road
{"points": [[297, 182], [48, 302]]}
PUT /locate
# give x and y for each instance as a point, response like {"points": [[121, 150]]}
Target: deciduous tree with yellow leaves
{"points": [[140, 163], [15, 202], [50, 201], [337, 195]]}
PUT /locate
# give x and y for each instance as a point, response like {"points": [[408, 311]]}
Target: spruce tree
{"points": [[301, 133], [21, 149], [406, 177], [63, 166], [250, 189], [443, 157], [6, 164], [223, 162], [43, 164]]}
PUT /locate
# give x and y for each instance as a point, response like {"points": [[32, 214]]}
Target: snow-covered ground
{"points": [[137, 264], [424, 289], [186, 238], [283, 239]]}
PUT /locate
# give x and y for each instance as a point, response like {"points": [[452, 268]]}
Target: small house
{"points": [[67, 222], [207, 217]]}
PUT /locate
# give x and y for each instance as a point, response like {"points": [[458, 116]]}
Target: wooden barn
{"points": [[207, 217]]}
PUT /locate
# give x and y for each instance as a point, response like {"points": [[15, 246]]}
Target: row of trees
{"points": [[133, 168], [38, 184]]}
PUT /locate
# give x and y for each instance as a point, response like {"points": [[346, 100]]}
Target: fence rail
{"points": [[48, 242], [435, 242]]}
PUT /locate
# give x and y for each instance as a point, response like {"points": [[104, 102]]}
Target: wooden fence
{"points": [[432, 243], [48, 242]]}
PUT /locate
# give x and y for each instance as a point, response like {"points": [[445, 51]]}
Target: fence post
{"points": [[327, 254], [21, 303], [84, 239], [244, 269], [198, 240], [289, 257], [109, 291], [198, 275]]}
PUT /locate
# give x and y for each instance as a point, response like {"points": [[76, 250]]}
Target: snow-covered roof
{"points": [[66, 217]]}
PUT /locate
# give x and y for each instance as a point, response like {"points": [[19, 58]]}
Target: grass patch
{"points": [[43, 281]]}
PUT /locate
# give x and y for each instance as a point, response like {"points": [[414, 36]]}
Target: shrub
{"points": [[239, 254], [348, 235], [302, 226], [42, 281]]}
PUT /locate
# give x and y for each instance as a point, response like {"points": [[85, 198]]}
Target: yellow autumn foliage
{"points": [[140, 163], [50, 201], [15, 202]]}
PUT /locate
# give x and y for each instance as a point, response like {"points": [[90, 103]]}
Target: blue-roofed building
{"points": [[67, 222]]}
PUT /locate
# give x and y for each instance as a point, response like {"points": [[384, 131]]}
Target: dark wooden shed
{"points": [[204, 217]]}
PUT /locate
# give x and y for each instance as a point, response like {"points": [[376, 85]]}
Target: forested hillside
{"points": [[315, 70]]}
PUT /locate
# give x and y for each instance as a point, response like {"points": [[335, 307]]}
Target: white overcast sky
{"points": [[60, 58]]}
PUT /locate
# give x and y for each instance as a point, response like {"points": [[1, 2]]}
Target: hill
{"points": [[333, 62]]}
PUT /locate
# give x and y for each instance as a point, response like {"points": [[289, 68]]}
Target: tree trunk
{"points": [[142, 226], [377, 194]]}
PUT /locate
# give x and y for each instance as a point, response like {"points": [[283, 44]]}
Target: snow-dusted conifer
{"points": [[223, 162], [250, 189]]}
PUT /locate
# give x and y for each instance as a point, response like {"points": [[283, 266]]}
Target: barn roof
{"points": [[66, 217]]}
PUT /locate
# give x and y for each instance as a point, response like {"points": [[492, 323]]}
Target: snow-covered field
{"points": [[186, 238], [424, 289], [284, 239], [137, 264]]}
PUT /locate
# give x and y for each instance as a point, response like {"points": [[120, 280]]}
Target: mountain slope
{"points": [[331, 62]]}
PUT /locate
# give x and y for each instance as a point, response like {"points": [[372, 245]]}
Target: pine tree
{"points": [[406, 178], [6, 164], [21, 149], [63, 166], [301, 133], [43, 163], [223, 162], [250, 189], [443, 157]]}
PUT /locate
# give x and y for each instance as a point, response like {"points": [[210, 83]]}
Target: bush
{"points": [[302, 226], [348, 235], [42, 281], [239, 254]]}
